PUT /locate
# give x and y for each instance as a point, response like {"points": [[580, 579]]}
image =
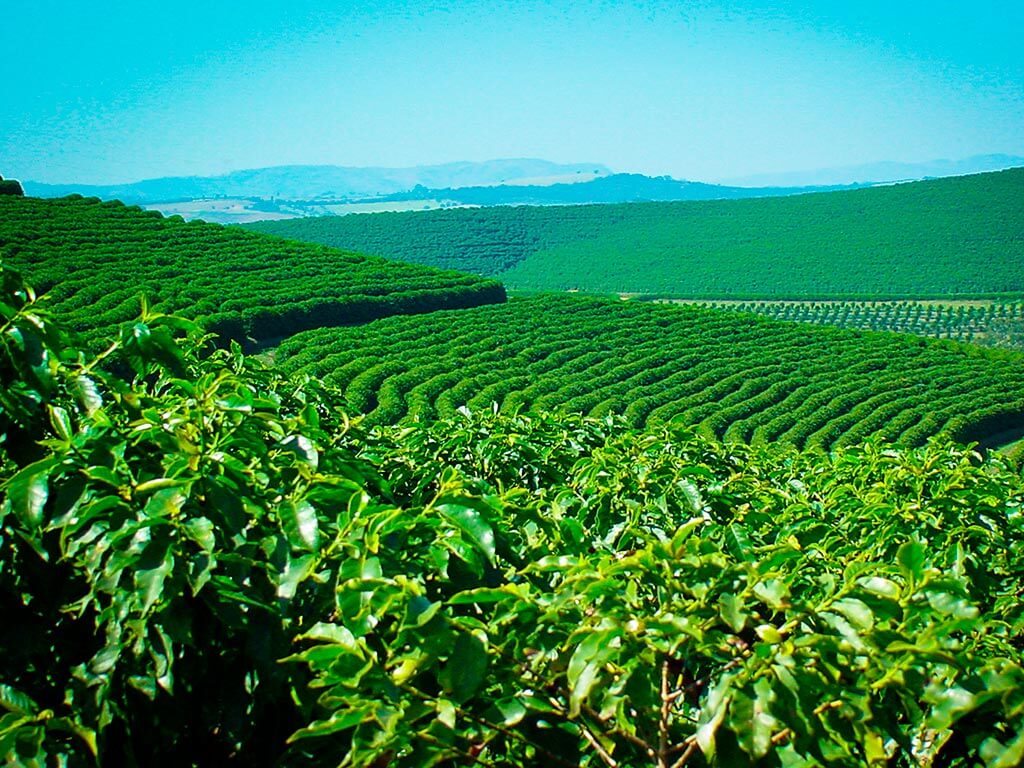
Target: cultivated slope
{"points": [[96, 259], [942, 237], [734, 375]]}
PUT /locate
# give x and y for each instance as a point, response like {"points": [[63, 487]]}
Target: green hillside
{"points": [[733, 375], [96, 259], [943, 237], [484, 241]]}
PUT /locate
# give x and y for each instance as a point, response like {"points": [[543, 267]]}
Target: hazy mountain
{"points": [[310, 182], [880, 172], [616, 188], [306, 190]]}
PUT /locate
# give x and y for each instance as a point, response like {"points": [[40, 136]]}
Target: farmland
{"points": [[449, 528], [339, 429], [96, 260], [201, 557], [942, 238], [731, 375]]}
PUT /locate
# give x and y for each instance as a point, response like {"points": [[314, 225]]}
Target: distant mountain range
{"points": [[319, 182], [291, 191], [304, 190], [880, 172], [616, 188]]}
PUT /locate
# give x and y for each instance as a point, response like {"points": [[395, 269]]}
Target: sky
{"points": [[115, 91]]}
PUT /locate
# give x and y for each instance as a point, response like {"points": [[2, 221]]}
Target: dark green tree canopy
{"points": [[10, 187]]}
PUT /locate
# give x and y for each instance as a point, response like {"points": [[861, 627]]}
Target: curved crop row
{"points": [[732, 374], [990, 323], [95, 260]]}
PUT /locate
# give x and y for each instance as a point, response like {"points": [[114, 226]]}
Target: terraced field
{"points": [[96, 259], [736, 376]]}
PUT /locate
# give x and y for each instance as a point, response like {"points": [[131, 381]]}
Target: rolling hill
{"points": [[938, 238], [204, 562]]}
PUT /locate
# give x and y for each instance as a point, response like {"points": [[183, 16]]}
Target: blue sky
{"points": [[118, 91]]}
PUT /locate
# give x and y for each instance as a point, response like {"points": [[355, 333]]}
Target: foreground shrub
{"points": [[202, 563]]}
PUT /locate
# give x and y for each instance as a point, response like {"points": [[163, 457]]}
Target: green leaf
{"points": [[950, 601], [300, 524], [145, 684], [329, 633], [61, 422], [948, 705], [156, 563], [165, 503], [586, 663], [730, 608], [339, 721], [89, 394], [997, 755], [484, 595], [874, 749], [769, 633], [879, 586], [15, 701], [294, 573], [774, 592], [712, 715], [751, 720], [104, 475], [200, 530], [302, 447], [692, 495], [738, 543], [466, 668], [421, 610], [856, 612], [28, 490], [471, 522], [911, 559], [156, 484], [512, 711]]}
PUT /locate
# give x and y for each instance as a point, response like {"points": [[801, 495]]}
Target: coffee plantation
{"points": [[203, 562]]}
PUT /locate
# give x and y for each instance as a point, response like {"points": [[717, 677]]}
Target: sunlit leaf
{"points": [[473, 524], [300, 524]]}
